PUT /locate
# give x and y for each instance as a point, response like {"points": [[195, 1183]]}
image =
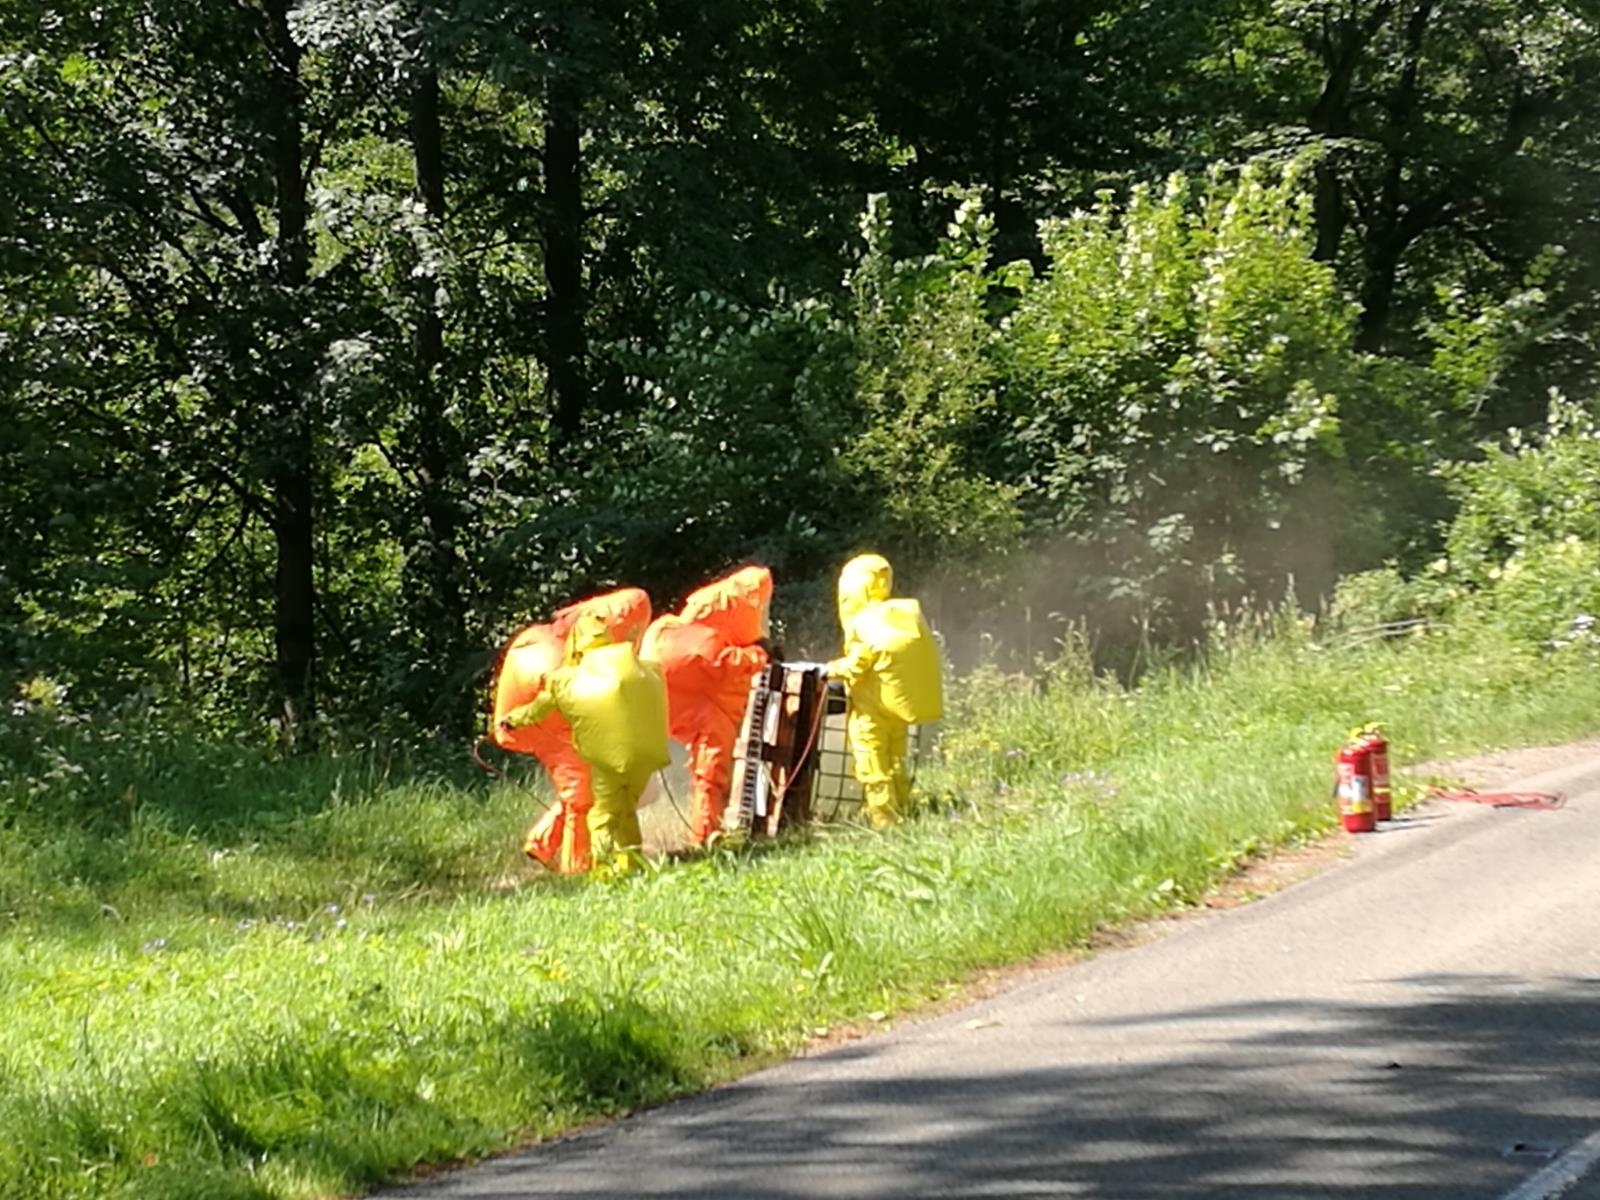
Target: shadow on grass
{"points": [[1251, 1100], [286, 853], [343, 1114], [76, 882]]}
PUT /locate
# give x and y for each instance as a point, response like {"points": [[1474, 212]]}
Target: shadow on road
{"points": [[1281, 1100]]}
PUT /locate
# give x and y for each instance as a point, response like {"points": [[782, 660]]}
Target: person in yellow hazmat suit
{"points": [[560, 837], [707, 654], [617, 708], [892, 668]]}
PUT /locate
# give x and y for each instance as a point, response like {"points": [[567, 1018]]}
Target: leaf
{"points": [[75, 69]]}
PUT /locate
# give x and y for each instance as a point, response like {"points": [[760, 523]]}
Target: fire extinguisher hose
{"points": [[477, 757], [1544, 801]]}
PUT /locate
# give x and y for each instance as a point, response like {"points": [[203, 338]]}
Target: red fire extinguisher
{"points": [[1353, 786], [1378, 758]]}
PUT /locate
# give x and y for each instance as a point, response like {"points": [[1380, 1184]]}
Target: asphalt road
{"points": [[1422, 1021]]}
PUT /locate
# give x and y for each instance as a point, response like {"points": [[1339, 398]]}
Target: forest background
{"points": [[340, 337]]}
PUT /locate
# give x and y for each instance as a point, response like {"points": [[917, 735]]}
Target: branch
{"points": [[324, 609], [129, 205], [1521, 118], [1479, 240], [1361, 198], [244, 212], [205, 212], [1423, 215], [246, 511], [137, 294], [495, 244], [1376, 19], [117, 433], [325, 134]]}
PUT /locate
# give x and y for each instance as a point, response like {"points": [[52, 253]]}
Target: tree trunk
{"points": [[1328, 212], [290, 475], [566, 347], [437, 603], [1396, 220], [1341, 47], [1377, 290], [1330, 119]]}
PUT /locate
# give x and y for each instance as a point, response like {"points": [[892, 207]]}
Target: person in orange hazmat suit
{"points": [[708, 653], [617, 708], [891, 666], [560, 837]]}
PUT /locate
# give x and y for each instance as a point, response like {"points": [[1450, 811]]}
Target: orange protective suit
{"points": [[708, 653], [560, 837]]}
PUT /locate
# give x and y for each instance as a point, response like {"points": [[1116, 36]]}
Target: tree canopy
{"points": [[338, 336]]}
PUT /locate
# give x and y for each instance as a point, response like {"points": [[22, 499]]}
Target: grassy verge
{"points": [[320, 996]]}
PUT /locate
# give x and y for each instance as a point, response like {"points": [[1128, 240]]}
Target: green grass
{"points": [[256, 980]]}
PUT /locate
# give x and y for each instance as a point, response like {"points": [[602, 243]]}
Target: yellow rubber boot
{"points": [[878, 748], [883, 805], [614, 837]]}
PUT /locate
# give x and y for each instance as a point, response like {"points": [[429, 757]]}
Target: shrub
{"points": [[1523, 550], [1536, 489]]}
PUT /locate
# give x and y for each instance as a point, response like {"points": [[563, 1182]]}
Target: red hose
{"points": [[811, 744], [478, 758], [1543, 801]]}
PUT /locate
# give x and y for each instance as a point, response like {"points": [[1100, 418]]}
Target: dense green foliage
{"points": [[340, 335], [1522, 551]]}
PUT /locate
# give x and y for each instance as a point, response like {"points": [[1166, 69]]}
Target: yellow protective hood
{"points": [[866, 579], [735, 606], [588, 633], [625, 612]]}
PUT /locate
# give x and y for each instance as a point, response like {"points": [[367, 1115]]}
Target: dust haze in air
{"points": [[1016, 611]]}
